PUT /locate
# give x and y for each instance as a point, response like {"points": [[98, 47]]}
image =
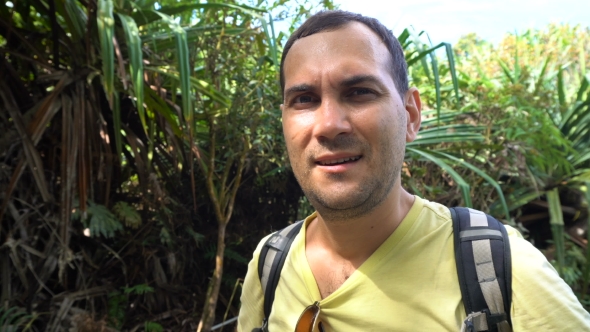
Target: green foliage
{"points": [[118, 303], [532, 90], [153, 327], [16, 319], [165, 236], [139, 289], [117, 306], [161, 111], [99, 220], [198, 238], [128, 214], [444, 140]]}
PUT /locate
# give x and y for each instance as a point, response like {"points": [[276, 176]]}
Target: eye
{"points": [[361, 91], [361, 94], [303, 99]]}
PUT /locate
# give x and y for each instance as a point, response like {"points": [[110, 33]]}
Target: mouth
{"points": [[338, 161]]}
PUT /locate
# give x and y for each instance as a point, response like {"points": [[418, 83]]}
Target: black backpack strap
{"points": [[482, 253], [270, 263]]}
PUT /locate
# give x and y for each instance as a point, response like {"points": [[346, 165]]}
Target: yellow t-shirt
{"points": [[410, 283]]}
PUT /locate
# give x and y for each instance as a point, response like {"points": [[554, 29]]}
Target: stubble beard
{"points": [[340, 204]]}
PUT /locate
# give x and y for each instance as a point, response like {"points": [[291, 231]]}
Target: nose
{"points": [[331, 120]]}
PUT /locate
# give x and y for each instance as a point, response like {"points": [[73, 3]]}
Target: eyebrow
{"points": [[351, 81], [348, 82], [298, 88]]}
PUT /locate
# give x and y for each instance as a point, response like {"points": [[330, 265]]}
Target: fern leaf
{"points": [[127, 214], [101, 221]]}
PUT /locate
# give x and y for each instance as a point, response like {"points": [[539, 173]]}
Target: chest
{"points": [[389, 295], [413, 282], [329, 274]]}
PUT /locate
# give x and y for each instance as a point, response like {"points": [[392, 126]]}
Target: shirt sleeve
{"points": [[252, 299], [541, 300]]}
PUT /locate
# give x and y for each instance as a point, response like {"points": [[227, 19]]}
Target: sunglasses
{"points": [[309, 318]]}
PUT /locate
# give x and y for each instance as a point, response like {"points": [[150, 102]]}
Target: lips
{"points": [[337, 161]]}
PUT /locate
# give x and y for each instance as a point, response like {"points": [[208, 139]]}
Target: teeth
{"points": [[338, 161]]}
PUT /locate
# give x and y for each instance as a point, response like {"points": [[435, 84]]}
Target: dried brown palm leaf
{"points": [[32, 155]]}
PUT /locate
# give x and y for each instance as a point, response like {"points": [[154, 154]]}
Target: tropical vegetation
{"points": [[141, 153]]}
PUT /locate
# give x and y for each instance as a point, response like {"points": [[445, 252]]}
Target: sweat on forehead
{"points": [[332, 20]]}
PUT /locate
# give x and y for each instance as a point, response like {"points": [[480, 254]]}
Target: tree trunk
{"points": [[208, 316]]}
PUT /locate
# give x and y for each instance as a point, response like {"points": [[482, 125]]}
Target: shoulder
{"points": [[252, 299], [432, 216], [541, 300]]}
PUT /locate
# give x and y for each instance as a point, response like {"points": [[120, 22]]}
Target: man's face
{"points": [[344, 122]]}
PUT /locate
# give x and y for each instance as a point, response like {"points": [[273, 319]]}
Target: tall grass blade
{"points": [[106, 33], [556, 220], [76, 19], [506, 70], [583, 87], [436, 78], [154, 102], [560, 88], [403, 38], [135, 63], [430, 52], [117, 126], [182, 54], [582, 57], [541, 77], [517, 68], [586, 273], [453, 71], [271, 40]]}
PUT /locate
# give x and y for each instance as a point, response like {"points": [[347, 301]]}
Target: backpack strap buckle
{"points": [[475, 322]]}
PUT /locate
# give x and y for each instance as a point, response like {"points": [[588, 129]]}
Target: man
{"points": [[373, 256]]}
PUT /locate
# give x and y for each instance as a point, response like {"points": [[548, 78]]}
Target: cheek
{"points": [[293, 143], [297, 130]]}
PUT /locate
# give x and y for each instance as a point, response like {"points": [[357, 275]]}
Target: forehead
{"points": [[353, 49]]}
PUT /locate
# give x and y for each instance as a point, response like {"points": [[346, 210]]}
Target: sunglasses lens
{"points": [[308, 318]]}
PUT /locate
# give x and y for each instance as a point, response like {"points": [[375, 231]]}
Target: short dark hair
{"points": [[331, 20]]}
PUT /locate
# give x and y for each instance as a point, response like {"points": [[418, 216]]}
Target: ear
{"points": [[414, 108]]}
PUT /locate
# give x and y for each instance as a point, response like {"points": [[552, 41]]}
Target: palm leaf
{"points": [[148, 16], [163, 41], [270, 39], [453, 71], [506, 71], [481, 173], [199, 85], [430, 52], [135, 63], [106, 33], [447, 134], [463, 185], [560, 88], [586, 273], [75, 19], [556, 220], [182, 54]]}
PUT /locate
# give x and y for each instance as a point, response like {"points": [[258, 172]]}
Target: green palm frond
{"points": [[106, 33], [461, 183], [461, 162]]}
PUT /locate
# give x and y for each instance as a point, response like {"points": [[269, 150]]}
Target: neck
{"points": [[355, 239]]}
